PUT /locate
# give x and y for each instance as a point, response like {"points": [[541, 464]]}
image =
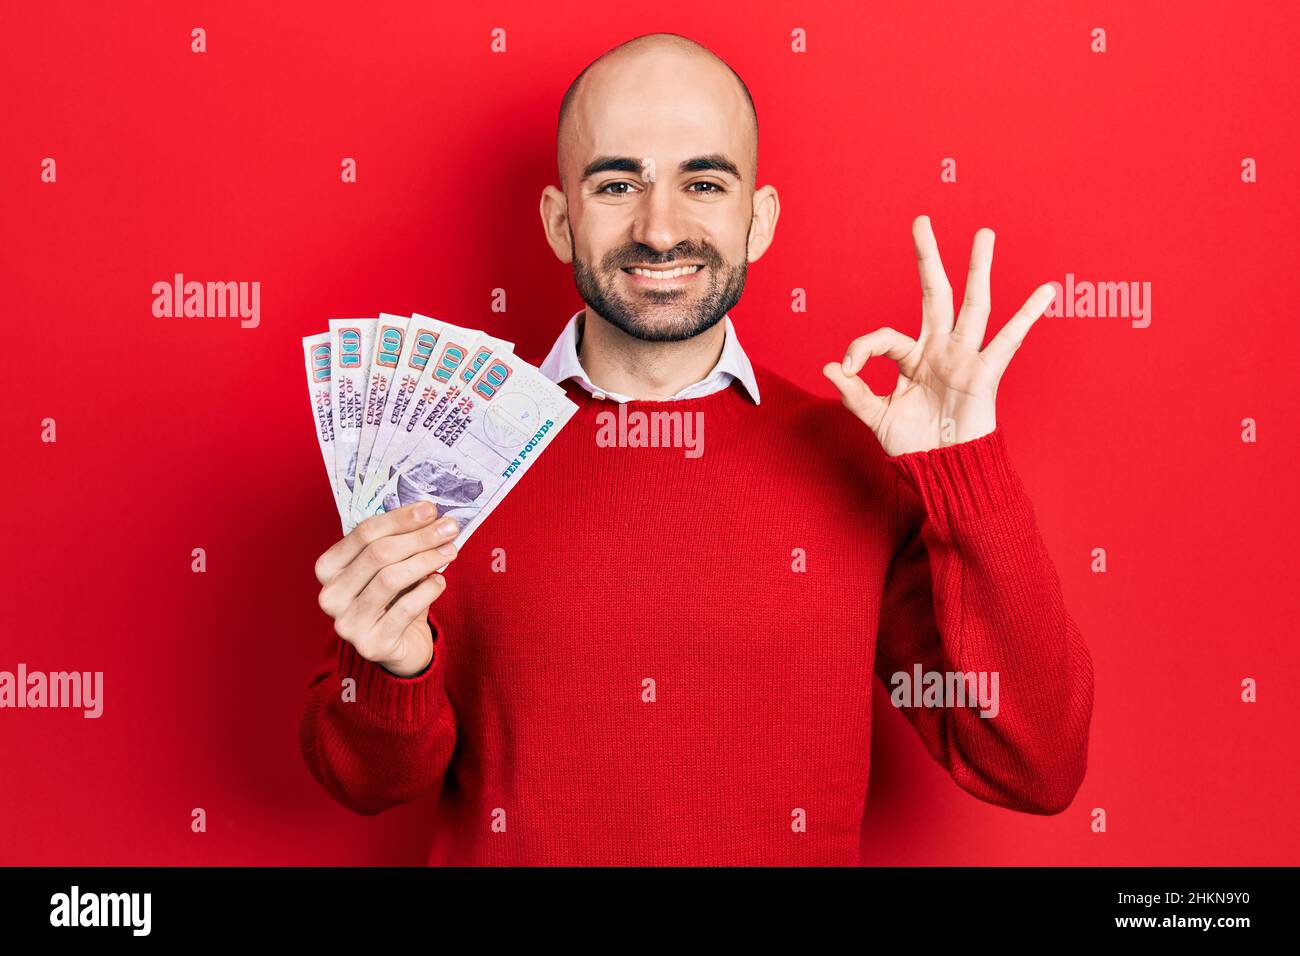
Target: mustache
{"points": [[640, 255]]}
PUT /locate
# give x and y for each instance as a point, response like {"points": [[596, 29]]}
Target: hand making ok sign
{"points": [[946, 385]]}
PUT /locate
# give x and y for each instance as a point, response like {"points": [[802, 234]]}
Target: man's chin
{"points": [[651, 325]]}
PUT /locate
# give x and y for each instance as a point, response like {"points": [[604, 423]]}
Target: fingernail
{"points": [[846, 364], [447, 526], [447, 549], [423, 512]]}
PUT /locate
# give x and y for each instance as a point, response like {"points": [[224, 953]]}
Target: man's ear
{"points": [[555, 222], [762, 227]]}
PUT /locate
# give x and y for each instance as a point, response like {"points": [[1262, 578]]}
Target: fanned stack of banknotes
{"points": [[414, 409]]}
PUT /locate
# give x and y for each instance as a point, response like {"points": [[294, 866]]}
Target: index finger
{"points": [[398, 521]]}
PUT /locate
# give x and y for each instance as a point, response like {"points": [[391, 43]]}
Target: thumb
{"points": [[857, 398]]}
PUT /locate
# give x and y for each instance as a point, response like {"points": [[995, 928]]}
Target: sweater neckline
{"points": [[724, 407]]}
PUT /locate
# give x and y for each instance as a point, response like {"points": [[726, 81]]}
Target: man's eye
{"points": [[609, 189]]}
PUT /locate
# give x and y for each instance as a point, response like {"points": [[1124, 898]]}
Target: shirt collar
{"points": [[562, 363]]}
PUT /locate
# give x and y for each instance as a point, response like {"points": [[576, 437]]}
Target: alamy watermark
{"points": [[82, 690], [1101, 300], [638, 429], [946, 689], [208, 300], [75, 908]]}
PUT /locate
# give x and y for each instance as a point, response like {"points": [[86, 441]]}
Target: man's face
{"points": [[659, 206]]}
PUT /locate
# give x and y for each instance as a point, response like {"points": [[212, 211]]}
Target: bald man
{"points": [[663, 650]]}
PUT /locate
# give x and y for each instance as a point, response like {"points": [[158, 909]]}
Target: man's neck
{"points": [[644, 371]]}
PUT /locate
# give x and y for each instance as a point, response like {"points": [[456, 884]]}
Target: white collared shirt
{"points": [[562, 363]]}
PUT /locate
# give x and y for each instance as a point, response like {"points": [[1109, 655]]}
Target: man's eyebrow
{"points": [[628, 164], [602, 164], [716, 161]]}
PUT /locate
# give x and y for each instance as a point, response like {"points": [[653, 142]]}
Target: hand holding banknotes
{"points": [[379, 581], [424, 427], [946, 385]]}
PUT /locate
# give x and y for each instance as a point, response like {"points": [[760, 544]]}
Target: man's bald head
{"points": [[651, 45]]}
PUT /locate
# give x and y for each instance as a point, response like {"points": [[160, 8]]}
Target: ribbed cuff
{"points": [[403, 700], [961, 481]]}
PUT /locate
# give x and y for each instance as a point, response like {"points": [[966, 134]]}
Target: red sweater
{"points": [[676, 664]]}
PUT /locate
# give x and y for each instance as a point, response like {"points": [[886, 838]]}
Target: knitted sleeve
{"points": [[972, 591], [372, 739]]}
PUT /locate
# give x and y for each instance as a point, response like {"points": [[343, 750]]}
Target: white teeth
{"points": [[666, 273]]}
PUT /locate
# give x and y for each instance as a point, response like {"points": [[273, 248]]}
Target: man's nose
{"points": [[660, 221]]}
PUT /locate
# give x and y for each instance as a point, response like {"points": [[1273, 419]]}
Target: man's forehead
{"points": [[659, 101], [674, 136], [624, 115]]}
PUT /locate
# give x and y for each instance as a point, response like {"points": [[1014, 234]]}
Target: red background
{"points": [[183, 433]]}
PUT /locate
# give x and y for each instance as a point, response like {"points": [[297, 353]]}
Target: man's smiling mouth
{"points": [[665, 274]]}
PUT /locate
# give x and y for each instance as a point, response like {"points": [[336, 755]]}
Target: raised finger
{"points": [[936, 293], [973, 318], [999, 351]]}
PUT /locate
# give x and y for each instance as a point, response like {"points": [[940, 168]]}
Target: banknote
{"points": [[452, 374], [421, 339], [457, 349], [484, 441], [350, 342], [381, 364], [316, 355]]}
